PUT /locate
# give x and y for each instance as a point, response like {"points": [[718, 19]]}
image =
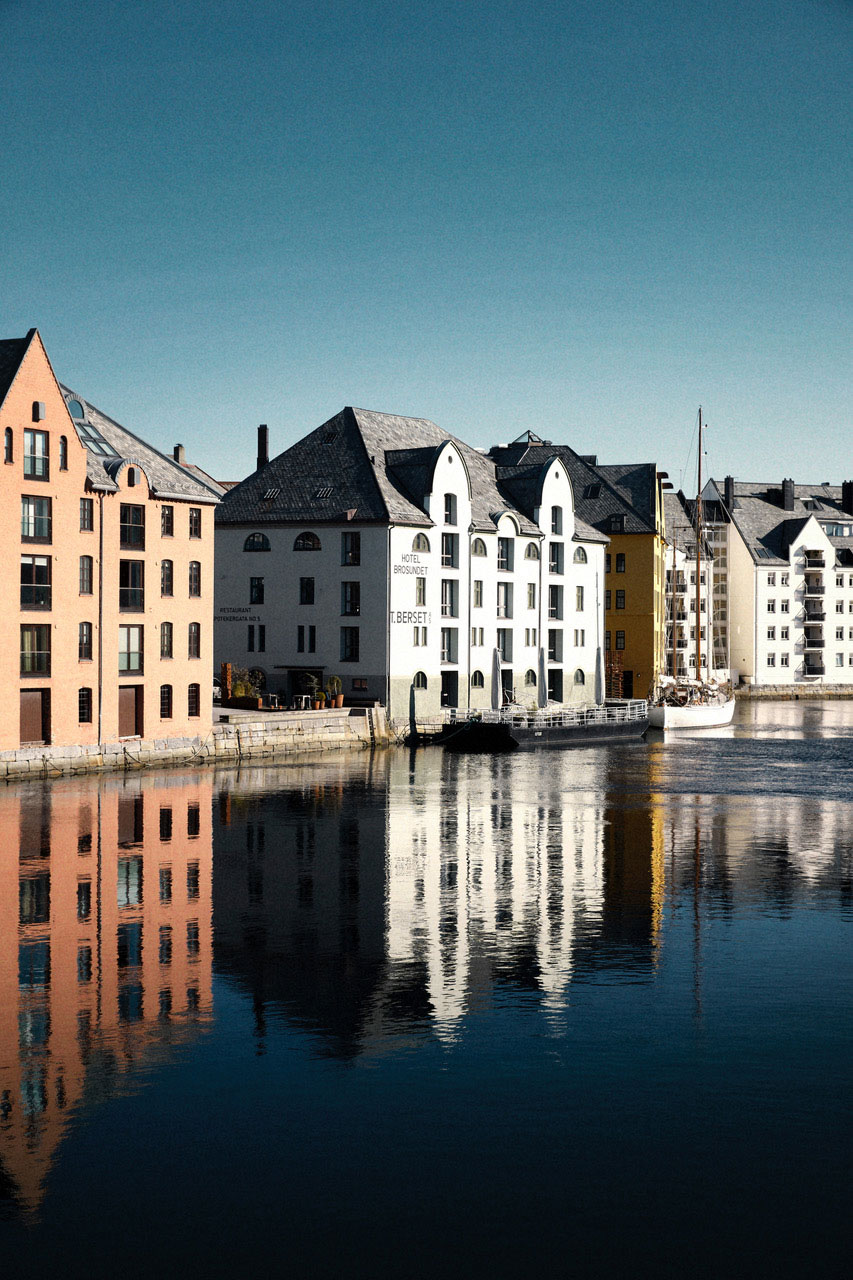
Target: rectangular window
{"points": [[87, 515], [784, 633], [771, 659], [607, 598], [131, 586], [784, 606], [607, 562], [607, 641], [620, 562], [84, 642], [194, 640], [620, 639], [556, 519], [839, 606], [771, 606], [450, 550], [555, 602], [350, 548], [35, 650], [195, 522], [531, 595], [580, 638], [839, 633], [195, 579], [477, 636], [555, 557], [420, 591], [359, 684], [530, 637], [349, 644], [166, 639], [130, 654], [36, 519], [131, 527], [306, 590], [167, 522], [312, 639], [505, 554], [250, 638], [86, 575], [300, 639], [505, 643], [448, 644], [771, 633], [350, 599], [256, 591], [579, 599], [420, 637], [166, 578], [478, 594], [35, 582], [784, 660], [450, 508], [193, 701], [784, 580], [262, 638], [620, 599], [36, 455], [504, 599], [771, 579], [84, 706], [555, 645]]}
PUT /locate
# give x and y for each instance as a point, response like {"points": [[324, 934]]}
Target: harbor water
{"points": [[583, 1011]]}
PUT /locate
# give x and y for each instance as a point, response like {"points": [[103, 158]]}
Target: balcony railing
{"points": [[814, 615], [815, 560], [813, 642], [814, 588]]}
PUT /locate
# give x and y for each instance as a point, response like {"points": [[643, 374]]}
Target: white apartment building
{"points": [[694, 585], [789, 587], [384, 551]]}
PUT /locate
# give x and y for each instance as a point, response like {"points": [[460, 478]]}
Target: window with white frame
{"points": [[531, 595], [477, 595], [504, 599]]}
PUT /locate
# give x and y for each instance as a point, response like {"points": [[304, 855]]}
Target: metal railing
{"points": [[617, 711]]}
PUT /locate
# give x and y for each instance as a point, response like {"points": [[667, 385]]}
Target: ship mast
{"points": [[699, 557]]}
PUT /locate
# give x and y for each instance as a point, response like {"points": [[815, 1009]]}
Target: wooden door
{"points": [[35, 717], [127, 711]]}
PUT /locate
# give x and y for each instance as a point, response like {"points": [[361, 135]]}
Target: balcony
{"points": [[814, 559], [813, 642], [814, 587], [814, 615], [814, 667]]}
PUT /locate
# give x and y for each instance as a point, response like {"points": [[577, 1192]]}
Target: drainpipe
{"points": [[100, 620]]}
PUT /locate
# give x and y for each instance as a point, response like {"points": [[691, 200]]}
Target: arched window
{"points": [[421, 542], [478, 547], [257, 542], [580, 556], [530, 678], [420, 680], [580, 678], [7, 446], [75, 408], [531, 551], [307, 542], [63, 453], [477, 680]]}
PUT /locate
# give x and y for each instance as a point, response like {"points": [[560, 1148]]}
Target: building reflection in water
{"points": [[105, 949], [373, 902]]}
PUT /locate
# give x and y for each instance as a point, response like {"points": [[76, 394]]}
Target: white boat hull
{"points": [[696, 715]]}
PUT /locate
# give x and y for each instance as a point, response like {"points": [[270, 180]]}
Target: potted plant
{"points": [[334, 691]]}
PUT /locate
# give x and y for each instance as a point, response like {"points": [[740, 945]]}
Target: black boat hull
{"points": [[485, 736]]}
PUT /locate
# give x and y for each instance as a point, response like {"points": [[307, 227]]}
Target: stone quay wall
{"points": [[236, 737], [793, 692]]}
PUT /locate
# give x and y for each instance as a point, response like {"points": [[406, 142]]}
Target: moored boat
{"points": [[681, 707], [514, 728]]}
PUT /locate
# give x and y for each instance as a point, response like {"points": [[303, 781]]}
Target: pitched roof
{"points": [[364, 466], [168, 478], [768, 529], [12, 352]]}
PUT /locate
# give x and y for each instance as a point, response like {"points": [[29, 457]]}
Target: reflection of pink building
{"points": [[106, 631], [105, 948]]}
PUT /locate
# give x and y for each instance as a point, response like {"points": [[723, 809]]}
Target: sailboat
{"points": [[682, 703]]}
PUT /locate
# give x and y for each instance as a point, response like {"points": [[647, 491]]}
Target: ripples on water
{"points": [[585, 1010]]}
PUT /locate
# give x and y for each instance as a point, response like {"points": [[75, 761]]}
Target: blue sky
{"points": [[581, 218]]}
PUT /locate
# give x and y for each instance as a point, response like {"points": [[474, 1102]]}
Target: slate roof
{"points": [[12, 352], [597, 496], [168, 479], [768, 529], [366, 467]]}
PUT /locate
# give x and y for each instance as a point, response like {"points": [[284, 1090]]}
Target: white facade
{"points": [[420, 615]]}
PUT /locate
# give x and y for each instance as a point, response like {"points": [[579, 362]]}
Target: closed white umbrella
{"points": [[599, 676], [542, 682], [497, 686]]}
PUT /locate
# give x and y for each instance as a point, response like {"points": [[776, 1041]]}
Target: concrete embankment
{"points": [[237, 736], [793, 693]]}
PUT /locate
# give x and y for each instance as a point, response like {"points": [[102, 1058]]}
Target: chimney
{"points": [[179, 454], [729, 492], [263, 445], [847, 497], [787, 495]]}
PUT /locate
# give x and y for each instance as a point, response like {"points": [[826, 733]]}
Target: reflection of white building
{"points": [[485, 875], [385, 551], [789, 552]]}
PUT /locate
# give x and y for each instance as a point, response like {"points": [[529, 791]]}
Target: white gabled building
{"points": [[789, 584], [384, 551], [694, 584]]}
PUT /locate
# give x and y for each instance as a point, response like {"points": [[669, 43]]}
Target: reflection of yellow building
{"points": [[105, 948]]}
